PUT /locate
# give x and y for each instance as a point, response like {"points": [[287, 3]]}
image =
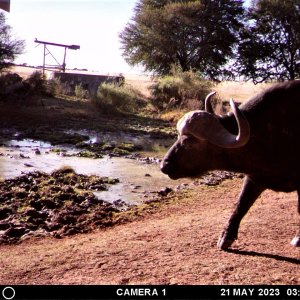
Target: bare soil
{"points": [[171, 243]]}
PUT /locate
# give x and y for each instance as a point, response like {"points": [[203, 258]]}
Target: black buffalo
{"points": [[261, 139]]}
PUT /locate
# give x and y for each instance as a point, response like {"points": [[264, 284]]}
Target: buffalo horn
{"points": [[208, 106], [204, 125]]}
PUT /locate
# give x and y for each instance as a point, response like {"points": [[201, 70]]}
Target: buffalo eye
{"points": [[188, 142]]}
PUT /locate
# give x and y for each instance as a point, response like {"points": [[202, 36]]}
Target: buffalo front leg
{"points": [[296, 240], [249, 194]]}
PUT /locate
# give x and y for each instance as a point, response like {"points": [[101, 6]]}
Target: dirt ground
{"points": [[172, 244]]}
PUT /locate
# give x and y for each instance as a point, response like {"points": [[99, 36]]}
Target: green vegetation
{"points": [[111, 97], [10, 48], [14, 88], [185, 90], [270, 42], [180, 90], [197, 35], [224, 39]]}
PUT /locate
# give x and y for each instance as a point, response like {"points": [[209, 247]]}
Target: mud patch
{"points": [[58, 204]]}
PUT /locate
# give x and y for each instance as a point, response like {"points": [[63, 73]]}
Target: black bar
{"points": [[73, 47], [113, 292]]}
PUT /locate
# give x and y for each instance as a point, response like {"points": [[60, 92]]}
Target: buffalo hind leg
{"points": [[296, 240], [249, 194]]}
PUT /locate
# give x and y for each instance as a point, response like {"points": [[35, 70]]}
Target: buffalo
{"points": [[260, 138]]}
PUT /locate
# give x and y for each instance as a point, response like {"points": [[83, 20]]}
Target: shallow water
{"points": [[146, 142], [138, 181]]}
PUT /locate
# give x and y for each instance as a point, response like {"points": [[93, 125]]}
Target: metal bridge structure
{"points": [[62, 66]]}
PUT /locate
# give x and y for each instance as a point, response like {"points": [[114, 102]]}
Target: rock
{"points": [[35, 204], [31, 212], [21, 195], [120, 204], [71, 231], [165, 191], [31, 225], [47, 203], [65, 218], [28, 165], [36, 221], [5, 212], [79, 186], [34, 188], [6, 196], [53, 226], [35, 233], [63, 197], [98, 187], [4, 226], [77, 198], [16, 231], [136, 187], [67, 189]]}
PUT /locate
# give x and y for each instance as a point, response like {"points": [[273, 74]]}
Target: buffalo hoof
{"points": [[224, 243], [296, 241]]}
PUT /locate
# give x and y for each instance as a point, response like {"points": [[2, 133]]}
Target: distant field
{"points": [[239, 91]]}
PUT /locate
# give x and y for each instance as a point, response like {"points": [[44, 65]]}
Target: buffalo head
{"points": [[201, 138]]}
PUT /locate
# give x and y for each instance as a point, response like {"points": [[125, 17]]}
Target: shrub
{"points": [[37, 83], [180, 89], [80, 92], [113, 97], [15, 89], [9, 83], [55, 87]]}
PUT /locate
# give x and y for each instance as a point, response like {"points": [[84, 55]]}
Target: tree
{"points": [[270, 43], [9, 47], [195, 35]]}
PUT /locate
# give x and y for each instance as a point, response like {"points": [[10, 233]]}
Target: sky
{"points": [[94, 25]]}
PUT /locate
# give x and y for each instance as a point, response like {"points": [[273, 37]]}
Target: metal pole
{"points": [[64, 62], [44, 60]]}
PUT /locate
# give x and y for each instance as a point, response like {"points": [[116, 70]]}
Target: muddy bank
{"points": [[64, 203], [57, 204]]}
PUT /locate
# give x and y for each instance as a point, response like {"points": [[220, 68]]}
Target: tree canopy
{"points": [[9, 47], [270, 43], [195, 35]]}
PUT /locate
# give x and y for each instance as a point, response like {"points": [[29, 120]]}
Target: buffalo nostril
{"points": [[165, 167]]}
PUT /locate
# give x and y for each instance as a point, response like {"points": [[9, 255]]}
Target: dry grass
{"points": [[141, 83], [239, 91]]}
